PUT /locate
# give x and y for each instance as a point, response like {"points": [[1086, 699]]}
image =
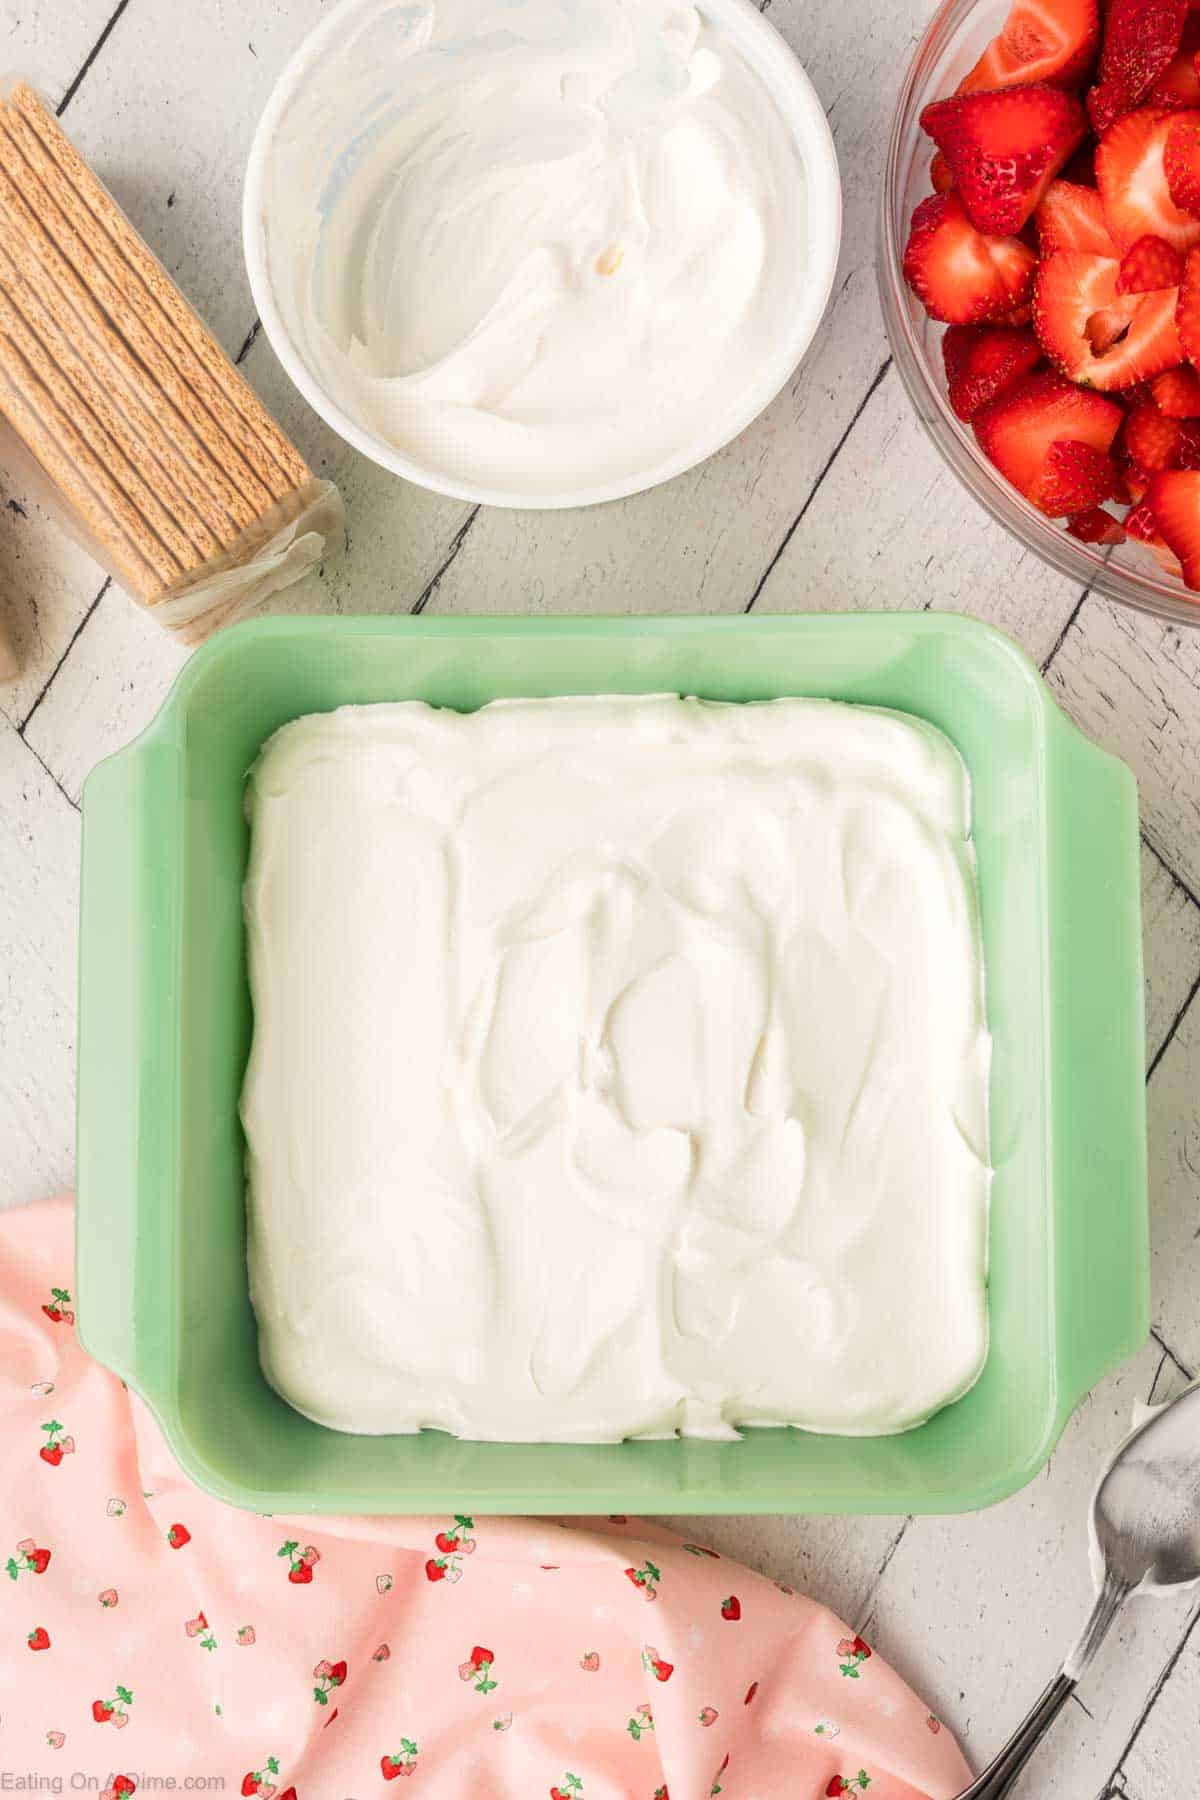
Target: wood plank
{"points": [[39, 875]]}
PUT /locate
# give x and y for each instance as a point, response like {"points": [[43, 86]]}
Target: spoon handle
{"points": [[1001, 1776]]}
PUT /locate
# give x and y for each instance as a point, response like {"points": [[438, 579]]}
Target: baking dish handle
{"points": [[1101, 1249], [128, 1034]]}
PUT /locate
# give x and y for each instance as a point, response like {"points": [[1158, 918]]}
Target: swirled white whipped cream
{"points": [[538, 245], [619, 1068]]}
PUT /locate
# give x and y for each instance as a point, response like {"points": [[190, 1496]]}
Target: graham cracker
{"points": [[53, 441], [116, 303], [141, 296], [101, 429], [61, 290], [185, 322]]}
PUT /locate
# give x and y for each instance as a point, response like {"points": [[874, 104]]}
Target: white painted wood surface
{"points": [[834, 500]]}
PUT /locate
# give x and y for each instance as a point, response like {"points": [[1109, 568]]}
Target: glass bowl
{"points": [[956, 36]]}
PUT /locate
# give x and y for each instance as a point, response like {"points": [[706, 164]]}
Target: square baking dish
{"points": [[165, 1030]]}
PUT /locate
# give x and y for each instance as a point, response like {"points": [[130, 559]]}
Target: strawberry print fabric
{"points": [[152, 1634]]}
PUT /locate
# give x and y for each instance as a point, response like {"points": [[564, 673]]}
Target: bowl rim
{"points": [[790, 86], [1092, 569]]}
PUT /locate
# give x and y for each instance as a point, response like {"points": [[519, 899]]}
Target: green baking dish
{"points": [[165, 1029]]}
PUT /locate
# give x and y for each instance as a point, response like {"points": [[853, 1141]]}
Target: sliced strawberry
{"points": [[1179, 84], [1042, 40], [1148, 265], [1075, 477], [1140, 39], [1133, 181], [961, 275], [1071, 217], [1181, 161], [1174, 500], [1095, 526], [1077, 308], [1020, 431], [982, 360], [1187, 312], [1140, 523], [1004, 148], [1151, 439], [941, 177], [1177, 393]]}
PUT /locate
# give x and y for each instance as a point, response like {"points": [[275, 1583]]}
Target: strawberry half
{"points": [[1148, 265], [1141, 37], [1132, 180], [1177, 393], [1187, 312], [982, 360], [1042, 40], [1095, 526], [963, 276], [1174, 500], [1151, 439], [1071, 217], [1181, 161], [1036, 433], [1005, 147], [1179, 84], [1095, 335]]}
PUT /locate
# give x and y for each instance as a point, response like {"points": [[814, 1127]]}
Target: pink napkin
{"points": [[152, 1632]]}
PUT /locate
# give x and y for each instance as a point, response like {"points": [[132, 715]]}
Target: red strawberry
{"points": [[731, 1608], [861, 1648], [337, 1674], [249, 1784], [479, 1656], [1004, 148], [836, 1786], [1140, 39], [1075, 477], [53, 1312], [102, 1712], [178, 1536], [941, 177], [1132, 178], [445, 1543], [1074, 292], [39, 1561], [663, 1670], [982, 360], [301, 1574], [289, 1793], [960, 275], [1181, 161], [1148, 265], [1177, 393], [124, 1784], [39, 1639], [1150, 439], [1140, 524], [1179, 84], [1042, 40], [1071, 217], [51, 1453], [1187, 311], [1096, 527], [1018, 431], [1174, 500], [435, 1571], [391, 1766]]}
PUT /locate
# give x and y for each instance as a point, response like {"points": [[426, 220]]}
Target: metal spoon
{"points": [[1146, 1529]]}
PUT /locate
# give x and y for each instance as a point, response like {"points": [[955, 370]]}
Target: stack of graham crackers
{"points": [[155, 450]]}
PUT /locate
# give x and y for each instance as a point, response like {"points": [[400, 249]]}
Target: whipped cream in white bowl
{"points": [[542, 252]]}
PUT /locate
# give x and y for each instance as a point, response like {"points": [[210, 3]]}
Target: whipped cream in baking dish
{"points": [[537, 243], [619, 1068]]}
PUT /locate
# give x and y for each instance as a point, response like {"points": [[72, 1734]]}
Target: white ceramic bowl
{"points": [[766, 52]]}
